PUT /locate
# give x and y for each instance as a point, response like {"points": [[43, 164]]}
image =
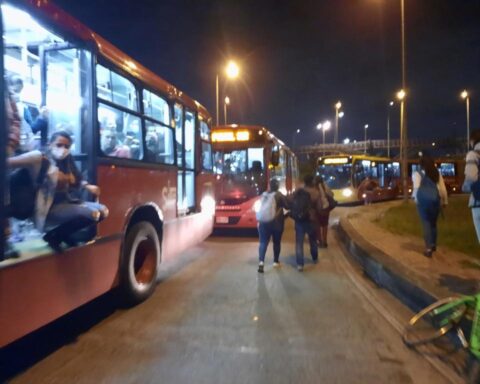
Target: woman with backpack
{"points": [[271, 222], [325, 203], [430, 194]]}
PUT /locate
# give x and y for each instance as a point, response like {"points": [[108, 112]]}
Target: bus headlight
{"points": [[208, 205], [347, 192], [256, 206]]}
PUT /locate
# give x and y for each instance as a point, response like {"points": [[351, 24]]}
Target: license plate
{"points": [[222, 220]]}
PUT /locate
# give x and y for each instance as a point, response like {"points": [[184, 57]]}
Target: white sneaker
{"points": [[276, 265], [300, 268]]}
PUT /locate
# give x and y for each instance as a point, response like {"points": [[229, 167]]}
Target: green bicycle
{"points": [[444, 316]]}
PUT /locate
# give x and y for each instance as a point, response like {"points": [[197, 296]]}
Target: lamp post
{"points": [[403, 143], [466, 97], [390, 105], [365, 138], [338, 105], [324, 127], [231, 71], [225, 104], [294, 137]]}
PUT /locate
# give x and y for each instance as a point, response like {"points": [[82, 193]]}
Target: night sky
{"points": [[299, 57]]}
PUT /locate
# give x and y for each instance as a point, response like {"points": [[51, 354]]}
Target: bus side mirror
{"points": [[275, 158]]}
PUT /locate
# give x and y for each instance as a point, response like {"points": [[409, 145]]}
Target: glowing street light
{"points": [[225, 104], [324, 127], [401, 95], [338, 105], [390, 105], [365, 138], [294, 137], [465, 96], [231, 72]]}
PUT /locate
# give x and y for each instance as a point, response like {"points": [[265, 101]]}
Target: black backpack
{"points": [[23, 191], [301, 205], [475, 187]]}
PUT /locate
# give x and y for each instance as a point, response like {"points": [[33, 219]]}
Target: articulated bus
{"points": [[245, 159], [360, 178], [159, 188]]}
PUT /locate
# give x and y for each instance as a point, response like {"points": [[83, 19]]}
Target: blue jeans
{"points": [[476, 221], [265, 231], [303, 228], [429, 216]]}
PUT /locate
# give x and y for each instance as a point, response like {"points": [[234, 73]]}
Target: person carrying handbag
{"points": [[325, 203]]}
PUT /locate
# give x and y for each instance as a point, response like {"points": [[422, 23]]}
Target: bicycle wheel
{"points": [[428, 324]]}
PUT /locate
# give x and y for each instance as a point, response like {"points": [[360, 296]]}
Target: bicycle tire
{"points": [[427, 326]]}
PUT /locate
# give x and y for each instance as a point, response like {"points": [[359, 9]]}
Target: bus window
{"points": [[120, 133], [447, 169], [156, 107], [178, 109], [115, 88], [159, 143], [255, 160], [189, 146], [207, 162]]}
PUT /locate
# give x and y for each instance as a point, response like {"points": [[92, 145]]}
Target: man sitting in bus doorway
{"points": [[304, 213], [59, 208]]}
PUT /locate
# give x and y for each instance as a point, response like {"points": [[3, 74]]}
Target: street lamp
{"points": [[324, 127], [225, 104], [365, 138], [390, 105], [466, 97], [403, 142], [295, 136], [338, 105], [231, 71]]}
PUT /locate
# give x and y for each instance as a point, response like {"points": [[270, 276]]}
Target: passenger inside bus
{"points": [[61, 209], [111, 145], [34, 120]]}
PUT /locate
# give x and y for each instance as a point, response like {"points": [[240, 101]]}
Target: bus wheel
{"points": [[138, 269]]}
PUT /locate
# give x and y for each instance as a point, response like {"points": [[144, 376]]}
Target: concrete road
{"points": [[214, 319]]}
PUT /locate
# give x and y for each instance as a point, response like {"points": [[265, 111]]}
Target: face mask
{"points": [[60, 153]]}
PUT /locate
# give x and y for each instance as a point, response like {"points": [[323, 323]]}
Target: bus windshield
{"points": [[242, 167], [336, 176]]}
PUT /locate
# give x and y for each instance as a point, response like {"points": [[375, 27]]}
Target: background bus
{"points": [[245, 159], [159, 190], [360, 178], [451, 168]]}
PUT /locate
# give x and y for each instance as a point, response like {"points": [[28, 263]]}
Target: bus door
{"points": [[3, 146], [67, 94]]}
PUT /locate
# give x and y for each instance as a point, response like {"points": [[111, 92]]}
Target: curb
{"points": [[385, 271]]}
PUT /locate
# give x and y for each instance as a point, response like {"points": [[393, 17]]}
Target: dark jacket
{"points": [[282, 203]]}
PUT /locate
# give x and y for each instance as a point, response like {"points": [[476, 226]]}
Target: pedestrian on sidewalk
{"points": [[325, 203], [472, 180], [304, 213], [271, 221], [430, 194]]}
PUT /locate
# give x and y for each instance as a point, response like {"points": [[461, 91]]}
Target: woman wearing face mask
{"points": [[59, 210]]}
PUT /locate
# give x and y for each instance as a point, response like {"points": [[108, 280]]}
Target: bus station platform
{"points": [[397, 263]]}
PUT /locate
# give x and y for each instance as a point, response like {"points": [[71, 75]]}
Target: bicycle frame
{"points": [[470, 302]]}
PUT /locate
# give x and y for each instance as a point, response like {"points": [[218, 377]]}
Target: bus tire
{"points": [[138, 269]]}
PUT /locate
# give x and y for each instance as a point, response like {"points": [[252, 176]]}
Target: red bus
{"points": [[159, 189], [451, 168], [245, 159]]}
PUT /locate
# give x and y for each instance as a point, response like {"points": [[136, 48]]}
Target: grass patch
{"points": [[455, 227]]}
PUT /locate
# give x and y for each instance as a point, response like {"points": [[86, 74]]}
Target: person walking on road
{"points": [[271, 221], [304, 213], [430, 194], [472, 180], [325, 203]]}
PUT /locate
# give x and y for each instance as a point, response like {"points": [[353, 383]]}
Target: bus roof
{"points": [[46, 10], [262, 131]]}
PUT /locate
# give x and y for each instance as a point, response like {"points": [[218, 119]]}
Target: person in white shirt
{"points": [[430, 194], [472, 163]]}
